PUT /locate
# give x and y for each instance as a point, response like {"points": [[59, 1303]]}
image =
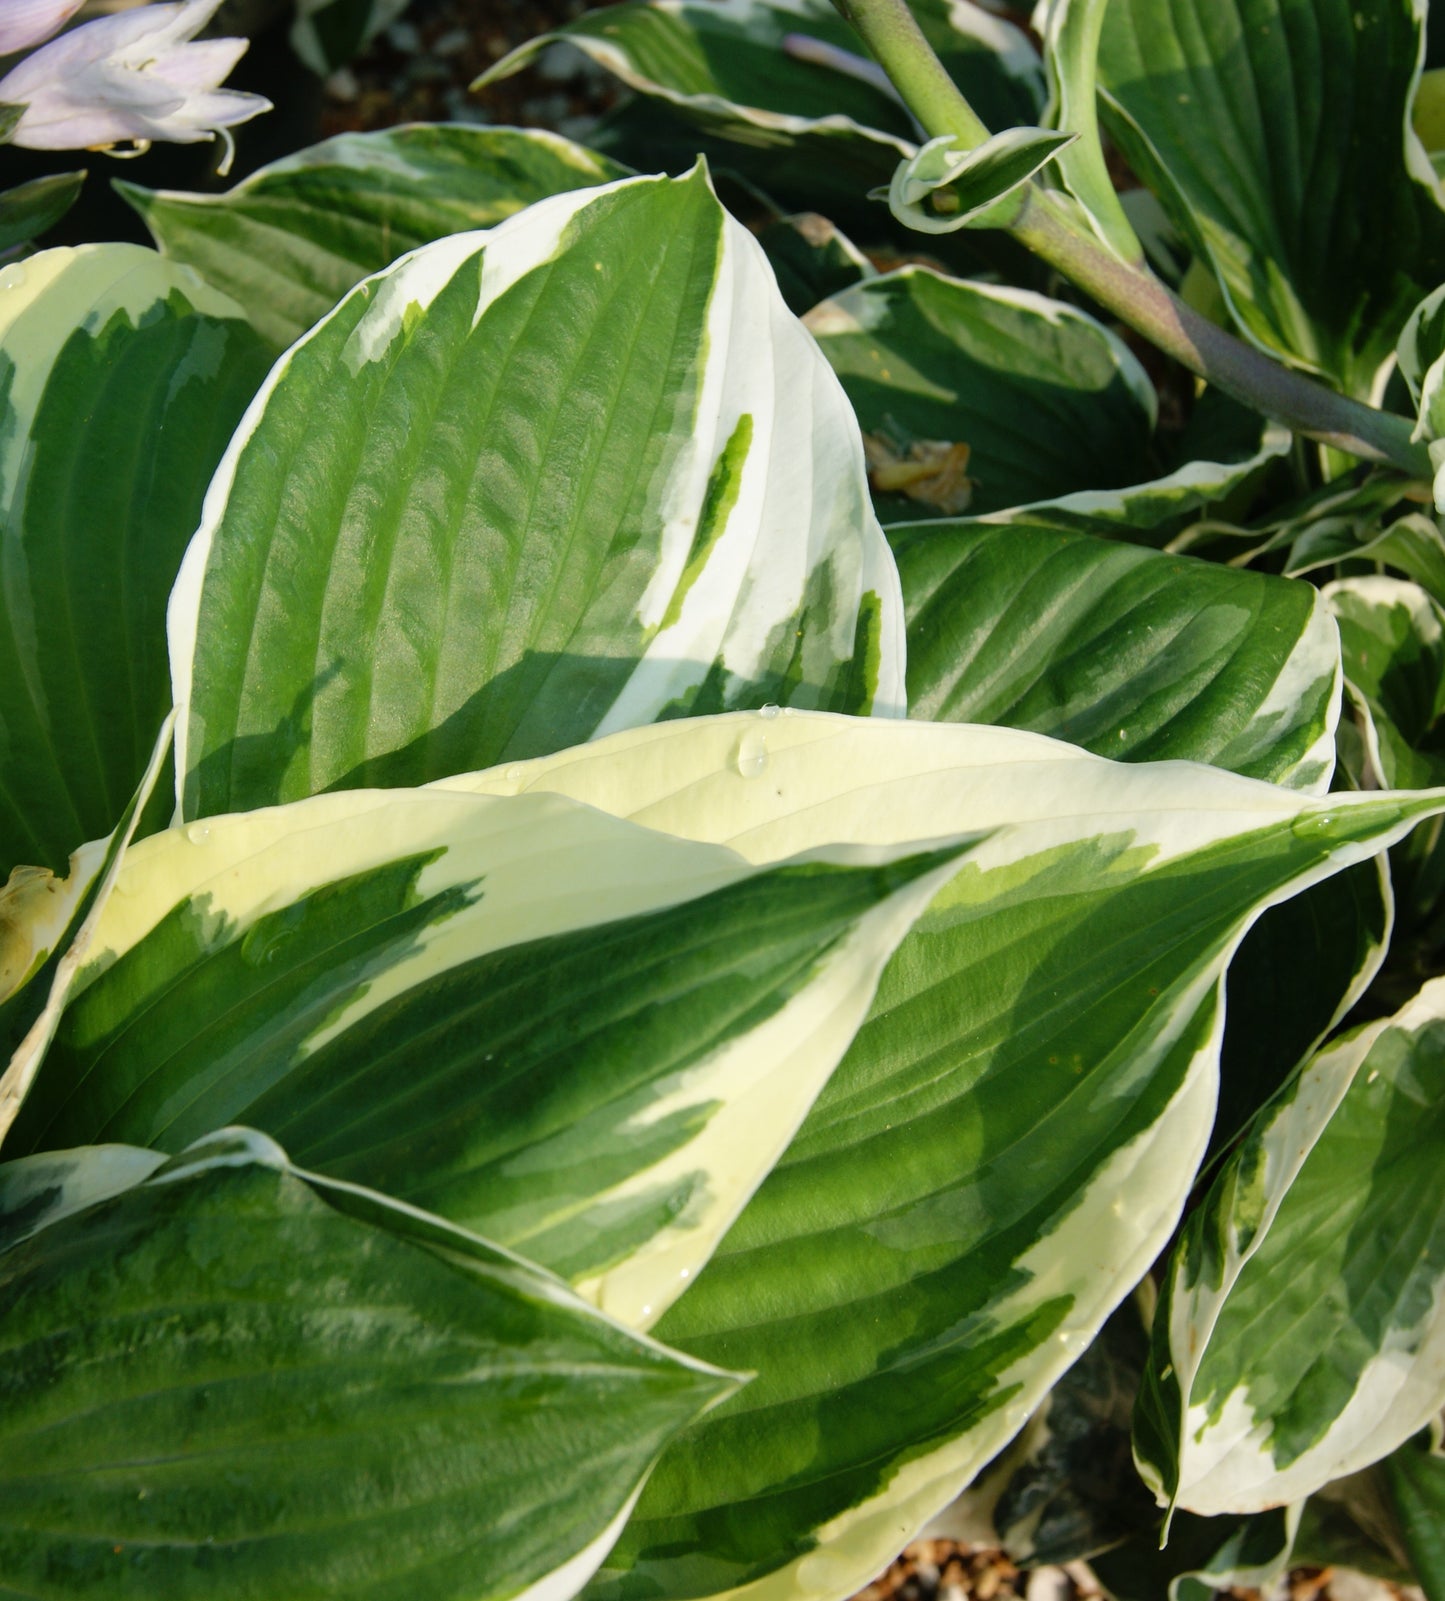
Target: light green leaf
{"points": [[1070, 31], [121, 378], [291, 239], [229, 1376], [328, 33], [1416, 1476], [944, 187], [1278, 133], [28, 209], [1003, 1150], [577, 473], [1128, 652], [584, 1039], [791, 76], [1301, 1336], [1042, 398]]}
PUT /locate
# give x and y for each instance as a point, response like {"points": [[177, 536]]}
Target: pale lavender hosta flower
{"points": [[26, 23], [137, 76]]}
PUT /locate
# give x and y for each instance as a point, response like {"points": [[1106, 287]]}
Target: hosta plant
{"points": [[677, 906]]}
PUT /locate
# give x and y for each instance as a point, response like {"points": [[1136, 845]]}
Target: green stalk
{"points": [[1131, 293]]}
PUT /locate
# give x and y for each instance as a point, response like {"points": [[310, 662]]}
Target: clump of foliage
{"points": [[675, 904]]}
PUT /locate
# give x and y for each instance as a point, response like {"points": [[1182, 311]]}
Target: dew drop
{"points": [[752, 757], [514, 775], [1314, 825], [769, 712], [13, 277], [198, 833]]}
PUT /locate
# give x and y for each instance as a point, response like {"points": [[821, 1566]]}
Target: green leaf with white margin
{"points": [[790, 74], [1420, 353], [1070, 31], [228, 1375], [527, 486], [1392, 635], [37, 916], [1046, 399], [944, 187], [1416, 1476], [582, 1038], [289, 241], [121, 378], [1127, 652], [328, 33], [1278, 133], [1004, 1149], [1303, 1332]]}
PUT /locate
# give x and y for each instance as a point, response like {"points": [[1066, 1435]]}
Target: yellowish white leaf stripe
{"points": [[531, 868], [830, 777], [44, 299]]}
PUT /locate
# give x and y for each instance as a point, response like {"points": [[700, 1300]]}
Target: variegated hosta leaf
{"points": [[1067, 1486], [290, 240], [582, 1038], [791, 75], [1003, 1150], [527, 486], [1421, 357], [1278, 133], [121, 378], [944, 187], [226, 1376], [1032, 398], [1128, 652], [1302, 1335], [1392, 635]]}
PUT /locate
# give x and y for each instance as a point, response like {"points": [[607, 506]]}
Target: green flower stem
{"points": [[1131, 293], [1138, 298]]}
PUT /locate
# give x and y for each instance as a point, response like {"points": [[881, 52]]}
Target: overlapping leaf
{"points": [[290, 240], [121, 378], [1278, 132], [1125, 651], [1302, 1335], [224, 1375], [571, 475], [791, 77], [1002, 1151], [1040, 399], [581, 1038]]}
